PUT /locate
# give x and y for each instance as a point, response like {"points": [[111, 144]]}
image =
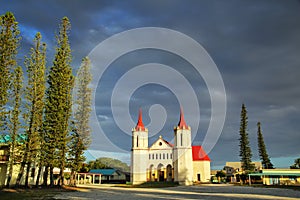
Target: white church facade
{"points": [[162, 161]]}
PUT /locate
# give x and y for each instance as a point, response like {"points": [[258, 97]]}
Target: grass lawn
{"points": [[33, 193]]}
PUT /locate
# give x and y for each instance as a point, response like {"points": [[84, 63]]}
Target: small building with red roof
{"points": [[163, 161]]}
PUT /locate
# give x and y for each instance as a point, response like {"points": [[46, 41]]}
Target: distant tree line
{"points": [[106, 163], [47, 128], [296, 164]]}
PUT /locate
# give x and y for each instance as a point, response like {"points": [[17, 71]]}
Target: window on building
{"points": [[163, 156], [181, 139], [198, 177], [156, 156], [170, 156], [167, 156], [137, 141], [160, 156], [152, 156], [149, 156]]}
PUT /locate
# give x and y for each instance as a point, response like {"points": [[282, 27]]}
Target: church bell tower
{"points": [[182, 151], [139, 152]]}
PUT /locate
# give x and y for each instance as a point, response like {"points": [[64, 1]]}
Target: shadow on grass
{"points": [[33, 193]]}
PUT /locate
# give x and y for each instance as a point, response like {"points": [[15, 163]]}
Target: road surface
{"points": [[216, 192]]}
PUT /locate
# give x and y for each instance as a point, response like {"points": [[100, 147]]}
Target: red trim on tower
{"points": [[182, 124], [199, 154], [140, 126]]}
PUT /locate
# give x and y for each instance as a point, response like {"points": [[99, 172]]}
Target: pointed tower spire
{"points": [[140, 126], [182, 124]]}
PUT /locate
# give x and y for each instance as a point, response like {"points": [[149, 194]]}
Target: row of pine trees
{"points": [[245, 149], [41, 106]]}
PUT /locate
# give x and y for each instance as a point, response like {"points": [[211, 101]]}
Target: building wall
{"points": [[237, 166], [139, 164], [202, 168], [283, 176], [183, 167], [284, 180], [183, 157]]}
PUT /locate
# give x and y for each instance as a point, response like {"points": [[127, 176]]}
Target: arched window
{"points": [[137, 141], [163, 155]]}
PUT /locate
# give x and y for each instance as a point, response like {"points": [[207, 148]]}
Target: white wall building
{"points": [[163, 161]]}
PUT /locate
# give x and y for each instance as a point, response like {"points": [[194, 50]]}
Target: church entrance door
{"points": [[161, 176], [160, 173], [169, 173]]}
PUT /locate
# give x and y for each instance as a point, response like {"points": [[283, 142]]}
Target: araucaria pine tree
{"points": [[80, 135], [266, 162], [35, 91], [9, 43], [245, 150], [59, 103], [14, 119]]}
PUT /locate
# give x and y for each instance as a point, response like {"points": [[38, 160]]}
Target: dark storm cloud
{"points": [[255, 45]]}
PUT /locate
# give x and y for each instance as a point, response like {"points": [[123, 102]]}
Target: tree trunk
{"points": [[27, 174], [21, 172], [37, 182], [8, 180], [11, 163], [62, 168], [73, 178], [51, 176], [45, 175], [61, 176]]}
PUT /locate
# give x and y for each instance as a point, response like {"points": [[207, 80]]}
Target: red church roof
{"points": [[199, 154], [170, 144], [140, 126], [181, 123]]}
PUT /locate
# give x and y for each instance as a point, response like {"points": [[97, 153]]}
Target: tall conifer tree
{"points": [[9, 43], [35, 91], [15, 122], [245, 150], [266, 162], [58, 102], [80, 135]]}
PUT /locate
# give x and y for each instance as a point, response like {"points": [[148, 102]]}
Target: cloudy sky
{"points": [[255, 46]]}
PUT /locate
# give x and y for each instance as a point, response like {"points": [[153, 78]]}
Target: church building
{"points": [[162, 161]]}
